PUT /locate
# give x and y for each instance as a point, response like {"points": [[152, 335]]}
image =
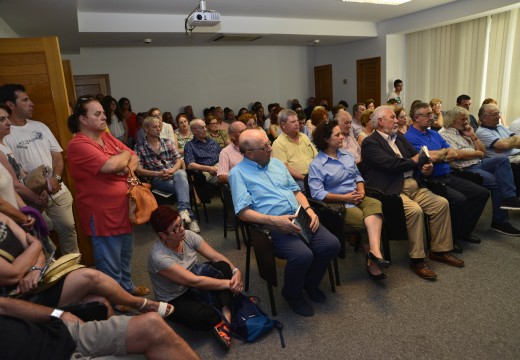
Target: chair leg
{"points": [[271, 299], [386, 245], [248, 263], [336, 271], [331, 278], [205, 212], [237, 237]]}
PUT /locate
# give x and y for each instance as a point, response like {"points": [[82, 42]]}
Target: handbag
{"points": [[56, 269], [141, 200], [37, 180]]}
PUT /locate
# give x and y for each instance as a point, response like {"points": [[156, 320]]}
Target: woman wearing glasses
{"points": [[334, 177], [220, 136], [189, 285], [99, 164]]}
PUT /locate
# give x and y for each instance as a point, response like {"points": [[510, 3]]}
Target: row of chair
{"points": [[331, 216]]}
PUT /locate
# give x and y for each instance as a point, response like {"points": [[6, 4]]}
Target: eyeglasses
{"points": [[176, 229], [495, 115], [266, 147], [428, 115], [159, 157]]}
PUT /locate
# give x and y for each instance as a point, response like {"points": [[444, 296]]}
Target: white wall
{"points": [[6, 31], [171, 77], [343, 59]]}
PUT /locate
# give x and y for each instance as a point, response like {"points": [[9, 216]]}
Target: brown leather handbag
{"points": [[141, 200]]}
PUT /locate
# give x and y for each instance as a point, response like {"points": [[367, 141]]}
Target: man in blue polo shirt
{"points": [[467, 199], [202, 153], [265, 193]]}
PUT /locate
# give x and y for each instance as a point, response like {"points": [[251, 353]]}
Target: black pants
{"points": [[196, 314], [467, 201]]}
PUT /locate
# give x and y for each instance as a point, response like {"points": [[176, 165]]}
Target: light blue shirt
{"points": [[490, 135], [335, 176], [268, 190]]}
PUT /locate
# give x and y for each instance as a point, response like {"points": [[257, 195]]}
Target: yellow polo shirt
{"points": [[297, 155]]}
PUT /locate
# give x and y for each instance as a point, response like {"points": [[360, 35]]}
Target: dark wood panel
{"points": [[22, 59]]}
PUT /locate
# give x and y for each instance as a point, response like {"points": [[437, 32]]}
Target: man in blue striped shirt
{"points": [[202, 153]]}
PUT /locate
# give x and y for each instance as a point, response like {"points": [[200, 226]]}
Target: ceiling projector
{"points": [[204, 18]]}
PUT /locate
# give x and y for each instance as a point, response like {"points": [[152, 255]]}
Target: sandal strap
{"points": [[144, 304]]}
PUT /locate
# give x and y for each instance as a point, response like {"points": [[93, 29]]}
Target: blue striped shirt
{"points": [[202, 153]]}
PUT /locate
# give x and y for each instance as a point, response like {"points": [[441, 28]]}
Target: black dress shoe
{"points": [[469, 238], [456, 248]]}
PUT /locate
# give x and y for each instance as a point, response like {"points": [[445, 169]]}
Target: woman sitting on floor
{"points": [[21, 264], [178, 278], [334, 177]]}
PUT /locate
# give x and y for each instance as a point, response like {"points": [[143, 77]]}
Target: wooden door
{"points": [[323, 84], [92, 84], [368, 73], [36, 63], [69, 82]]}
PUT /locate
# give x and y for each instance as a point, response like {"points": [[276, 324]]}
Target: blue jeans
{"points": [[306, 264], [112, 255], [498, 177], [177, 185]]}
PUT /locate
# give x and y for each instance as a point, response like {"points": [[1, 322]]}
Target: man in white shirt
{"points": [[33, 144], [396, 94]]}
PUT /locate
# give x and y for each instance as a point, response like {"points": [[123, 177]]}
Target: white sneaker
{"points": [[185, 215], [194, 227]]}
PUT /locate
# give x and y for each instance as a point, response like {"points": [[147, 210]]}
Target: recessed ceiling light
{"points": [[379, 2]]}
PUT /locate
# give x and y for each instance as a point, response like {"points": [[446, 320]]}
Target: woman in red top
{"points": [[99, 163], [131, 120]]}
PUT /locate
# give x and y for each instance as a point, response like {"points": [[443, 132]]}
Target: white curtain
{"points": [[457, 59]]}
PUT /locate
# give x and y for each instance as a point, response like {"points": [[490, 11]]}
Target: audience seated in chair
{"points": [[334, 177], [213, 132], [357, 110], [183, 132], [265, 193], [160, 160], [465, 102], [230, 156], [293, 148], [496, 171], [202, 153], [467, 199], [349, 143], [32, 331], [191, 286], [22, 264], [389, 164]]}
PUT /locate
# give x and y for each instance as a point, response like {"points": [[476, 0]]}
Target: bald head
{"points": [[198, 128], [344, 120], [234, 131]]}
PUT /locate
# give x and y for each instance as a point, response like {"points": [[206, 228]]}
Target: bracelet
{"points": [[307, 208], [234, 271], [35, 268], [57, 177]]}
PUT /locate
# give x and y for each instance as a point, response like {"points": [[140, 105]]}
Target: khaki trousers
{"points": [[418, 201]]}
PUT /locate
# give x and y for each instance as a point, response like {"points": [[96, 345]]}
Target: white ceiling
{"points": [[125, 23]]}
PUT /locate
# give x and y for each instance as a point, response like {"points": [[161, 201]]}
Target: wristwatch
{"points": [[56, 313], [57, 177]]}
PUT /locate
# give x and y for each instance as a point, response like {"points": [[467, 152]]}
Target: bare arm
{"points": [[211, 169], [211, 254], [181, 276], [295, 174], [116, 163], [13, 273], [29, 311]]}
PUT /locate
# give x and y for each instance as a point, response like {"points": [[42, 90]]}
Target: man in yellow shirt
{"points": [[292, 147]]}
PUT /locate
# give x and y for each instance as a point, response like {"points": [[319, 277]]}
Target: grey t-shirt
{"points": [[161, 258]]}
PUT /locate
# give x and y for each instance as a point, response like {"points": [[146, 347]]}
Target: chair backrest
{"points": [[198, 180], [264, 254], [227, 200]]}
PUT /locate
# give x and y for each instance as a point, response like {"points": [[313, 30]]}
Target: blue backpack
{"points": [[249, 321]]}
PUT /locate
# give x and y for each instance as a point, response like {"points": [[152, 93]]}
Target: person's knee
{"points": [[414, 212]]}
